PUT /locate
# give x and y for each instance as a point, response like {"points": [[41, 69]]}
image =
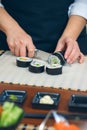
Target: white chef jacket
{"points": [[78, 7]]}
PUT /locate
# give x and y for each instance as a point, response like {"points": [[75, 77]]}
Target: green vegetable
{"points": [[13, 98], [53, 60], [10, 115]]}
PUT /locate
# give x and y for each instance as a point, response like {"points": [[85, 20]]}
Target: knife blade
{"points": [[39, 54], [45, 56]]}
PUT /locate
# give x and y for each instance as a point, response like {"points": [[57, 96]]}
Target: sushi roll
{"points": [[54, 69], [52, 59], [60, 56], [23, 61], [36, 66]]}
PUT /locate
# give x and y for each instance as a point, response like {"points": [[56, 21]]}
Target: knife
{"points": [[45, 56], [39, 54]]}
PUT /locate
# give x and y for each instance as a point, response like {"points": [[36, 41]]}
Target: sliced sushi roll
{"points": [[54, 69], [23, 61], [60, 55], [36, 66], [52, 59]]}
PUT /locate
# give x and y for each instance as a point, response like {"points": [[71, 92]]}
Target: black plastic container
{"points": [[16, 96], [36, 100], [78, 103]]}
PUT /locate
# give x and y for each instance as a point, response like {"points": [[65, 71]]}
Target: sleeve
{"points": [[79, 7], [1, 5]]}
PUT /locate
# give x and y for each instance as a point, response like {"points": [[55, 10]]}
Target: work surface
{"points": [[73, 76], [72, 81], [31, 91]]}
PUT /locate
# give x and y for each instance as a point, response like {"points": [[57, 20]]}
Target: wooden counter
{"points": [[32, 90]]}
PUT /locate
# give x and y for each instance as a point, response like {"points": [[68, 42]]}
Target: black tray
{"points": [[78, 103], [16, 96], [39, 95]]}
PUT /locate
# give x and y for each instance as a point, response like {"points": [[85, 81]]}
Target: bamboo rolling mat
{"points": [[73, 77], [31, 127]]}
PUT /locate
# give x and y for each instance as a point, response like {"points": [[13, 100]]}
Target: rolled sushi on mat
{"points": [[36, 66], [52, 59], [54, 66], [57, 58], [54, 69], [23, 61], [60, 56]]}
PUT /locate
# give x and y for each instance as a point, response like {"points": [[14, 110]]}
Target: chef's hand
{"points": [[19, 42], [72, 51]]}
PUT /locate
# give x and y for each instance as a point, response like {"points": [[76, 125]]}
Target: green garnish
{"points": [[37, 65], [13, 97], [54, 60]]}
